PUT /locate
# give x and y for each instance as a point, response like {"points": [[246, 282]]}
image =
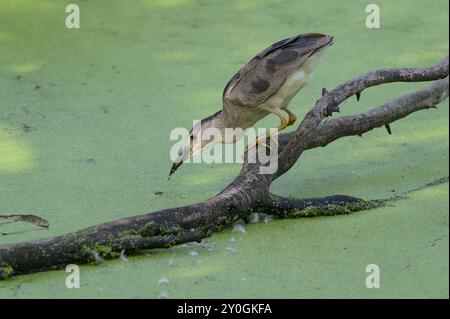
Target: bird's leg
{"points": [[258, 143], [285, 122], [292, 117]]}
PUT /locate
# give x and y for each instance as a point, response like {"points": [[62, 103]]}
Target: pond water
{"points": [[85, 117]]}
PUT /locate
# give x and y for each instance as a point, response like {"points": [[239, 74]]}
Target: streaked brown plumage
{"points": [[265, 85]]}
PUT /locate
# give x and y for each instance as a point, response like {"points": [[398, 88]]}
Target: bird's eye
{"points": [[191, 137]]}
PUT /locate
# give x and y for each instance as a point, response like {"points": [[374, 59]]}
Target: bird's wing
{"points": [[263, 75]]}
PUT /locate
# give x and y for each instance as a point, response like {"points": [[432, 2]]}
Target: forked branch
{"points": [[248, 192]]}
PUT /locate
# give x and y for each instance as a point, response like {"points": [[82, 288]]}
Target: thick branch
{"points": [[249, 191], [390, 112], [329, 103], [325, 206]]}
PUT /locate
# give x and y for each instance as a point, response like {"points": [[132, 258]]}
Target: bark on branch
{"points": [[248, 192]]}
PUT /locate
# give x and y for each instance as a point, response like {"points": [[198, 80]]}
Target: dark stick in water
{"points": [[33, 219]]}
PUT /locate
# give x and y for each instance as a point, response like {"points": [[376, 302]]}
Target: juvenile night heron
{"points": [[266, 84]]}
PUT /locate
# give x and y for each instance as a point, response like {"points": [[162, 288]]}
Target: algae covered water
{"points": [[85, 118]]}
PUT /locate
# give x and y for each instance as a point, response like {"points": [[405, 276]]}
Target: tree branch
{"points": [[388, 113], [325, 206], [330, 101], [248, 192]]}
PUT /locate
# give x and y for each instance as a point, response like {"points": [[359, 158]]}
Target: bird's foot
{"points": [[261, 141], [292, 118]]}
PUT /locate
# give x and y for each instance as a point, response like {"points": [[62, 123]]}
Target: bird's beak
{"points": [[174, 168], [330, 40], [186, 153]]}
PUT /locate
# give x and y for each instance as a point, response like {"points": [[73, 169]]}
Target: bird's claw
{"points": [[259, 143]]}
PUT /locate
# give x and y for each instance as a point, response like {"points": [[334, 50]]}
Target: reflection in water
{"points": [[20, 231]]}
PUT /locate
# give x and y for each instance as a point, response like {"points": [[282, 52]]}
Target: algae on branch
{"points": [[6, 272]]}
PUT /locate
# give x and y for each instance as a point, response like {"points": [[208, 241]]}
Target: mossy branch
{"points": [[247, 193]]}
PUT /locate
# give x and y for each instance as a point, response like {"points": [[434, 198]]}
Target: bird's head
{"points": [[200, 136]]}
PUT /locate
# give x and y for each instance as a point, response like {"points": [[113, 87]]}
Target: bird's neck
{"points": [[222, 120], [216, 120]]}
